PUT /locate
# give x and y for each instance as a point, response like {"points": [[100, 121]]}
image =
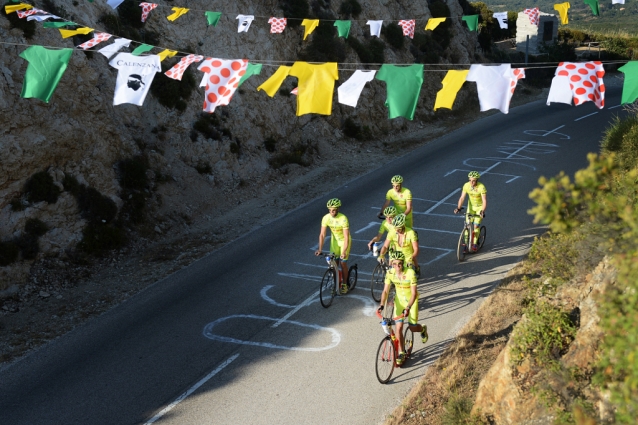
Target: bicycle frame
{"points": [[466, 240], [331, 284], [388, 351]]}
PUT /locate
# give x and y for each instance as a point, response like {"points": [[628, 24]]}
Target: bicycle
{"points": [[467, 237], [328, 289], [388, 350]]}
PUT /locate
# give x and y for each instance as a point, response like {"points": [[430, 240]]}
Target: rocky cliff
{"points": [[81, 134]]}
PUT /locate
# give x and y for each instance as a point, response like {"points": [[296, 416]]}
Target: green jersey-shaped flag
{"points": [[46, 68]]}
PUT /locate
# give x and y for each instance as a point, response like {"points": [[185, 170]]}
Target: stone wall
{"points": [[537, 36]]}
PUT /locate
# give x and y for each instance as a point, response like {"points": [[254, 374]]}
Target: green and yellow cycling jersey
{"points": [[385, 227], [337, 224], [475, 195], [405, 246], [400, 199], [402, 284]]}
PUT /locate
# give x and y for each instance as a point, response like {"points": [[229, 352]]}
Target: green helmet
{"points": [[390, 211], [334, 203], [397, 179], [399, 220], [474, 175], [397, 256]]}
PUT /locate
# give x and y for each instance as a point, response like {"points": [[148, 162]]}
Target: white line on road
{"points": [[614, 107], [582, 118], [442, 201], [296, 309], [192, 389]]}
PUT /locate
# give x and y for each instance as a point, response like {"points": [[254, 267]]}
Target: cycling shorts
{"points": [[401, 302], [476, 220], [335, 248]]}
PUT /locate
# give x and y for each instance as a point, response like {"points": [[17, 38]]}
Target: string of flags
{"points": [[573, 82]]}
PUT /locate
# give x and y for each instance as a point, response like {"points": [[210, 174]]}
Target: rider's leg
{"points": [[400, 336], [344, 271]]}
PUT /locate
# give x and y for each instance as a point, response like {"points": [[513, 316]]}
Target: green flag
{"points": [[46, 68], [594, 6], [57, 24], [471, 21], [630, 86], [213, 18], [141, 49], [343, 27], [252, 69]]}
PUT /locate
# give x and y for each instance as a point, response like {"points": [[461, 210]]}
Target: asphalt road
{"points": [[240, 337]]}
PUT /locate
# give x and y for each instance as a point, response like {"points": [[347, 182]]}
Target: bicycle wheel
{"points": [[328, 288], [462, 248], [408, 339], [376, 286], [481, 238], [353, 275], [384, 365]]}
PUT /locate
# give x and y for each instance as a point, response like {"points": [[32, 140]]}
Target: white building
{"points": [[546, 31]]}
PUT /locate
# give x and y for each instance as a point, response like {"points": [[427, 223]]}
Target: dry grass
{"points": [[447, 391]]}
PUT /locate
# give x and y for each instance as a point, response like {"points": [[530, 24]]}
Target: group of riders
{"points": [[402, 243]]}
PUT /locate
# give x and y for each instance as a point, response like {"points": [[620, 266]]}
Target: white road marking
{"points": [[442, 200], [436, 230], [614, 107], [545, 133], [208, 333], [192, 389], [265, 296], [296, 309], [582, 118]]}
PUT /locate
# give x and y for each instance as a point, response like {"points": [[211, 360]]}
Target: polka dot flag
{"points": [[223, 79], [585, 80], [97, 39], [408, 27], [533, 15], [177, 71], [146, 10], [277, 25]]}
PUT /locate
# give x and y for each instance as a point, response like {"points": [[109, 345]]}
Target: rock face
{"points": [[500, 397], [80, 132]]}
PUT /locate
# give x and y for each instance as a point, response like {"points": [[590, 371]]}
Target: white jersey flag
{"points": [[244, 22], [617, 1], [350, 91], [134, 77], [375, 27], [112, 49], [502, 19], [114, 3]]}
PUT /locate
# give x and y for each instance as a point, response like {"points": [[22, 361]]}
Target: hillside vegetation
{"points": [[557, 341]]}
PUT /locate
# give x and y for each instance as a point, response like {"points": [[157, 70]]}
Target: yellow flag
{"points": [[562, 8], [71, 33], [10, 8], [310, 25], [166, 54], [179, 11], [433, 23], [271, 85]]}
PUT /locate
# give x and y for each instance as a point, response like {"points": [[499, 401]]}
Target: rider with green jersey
{"points": [[476, 202], [386, 225], [340, 241], [406, 299], [402, 198], [404, 239]]}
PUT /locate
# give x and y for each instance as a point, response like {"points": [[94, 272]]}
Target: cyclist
{"points": [[403, 238], [402, 198], [340, 240], [406, 299], [389, 213], [476, 202]]}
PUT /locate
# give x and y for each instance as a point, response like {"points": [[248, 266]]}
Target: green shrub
{"points": [[16, 204], [35, 227], [204, 168], [8, 253], [458, 411], [235, 147], [134, 207], [370, 52], [294, 156], [350, 8], [173, 93], [99, 238], [95, 207], [270, 144], [206, 124], [324, 45], [28, 246], [40, 187], [71, 185], [393, 34], [622, 138], [133, 173], [545, 336], [295, 11]]}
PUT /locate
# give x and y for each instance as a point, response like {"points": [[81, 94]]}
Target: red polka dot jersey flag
{"points": [[408, 27], [277, 25], [585, 81], [177, 71], [146, 10], [223, 77], [533, 15]]}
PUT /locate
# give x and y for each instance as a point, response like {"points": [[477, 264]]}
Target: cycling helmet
{"points": [[334, 203], [390, 211], [397, 179], [399, 220], [397, 256], [474, 175]]}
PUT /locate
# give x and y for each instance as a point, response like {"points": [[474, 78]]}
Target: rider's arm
{"points": [[384, 294], [384, 248], [412, 297], [387, 204], [408, 207], [322, 236], [459, 205], [346, 242], [415, 248], [375, 239], [484, 198]]}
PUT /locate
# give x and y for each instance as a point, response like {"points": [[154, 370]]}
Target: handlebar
{"points": [[401, 316], [470, 215]]}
